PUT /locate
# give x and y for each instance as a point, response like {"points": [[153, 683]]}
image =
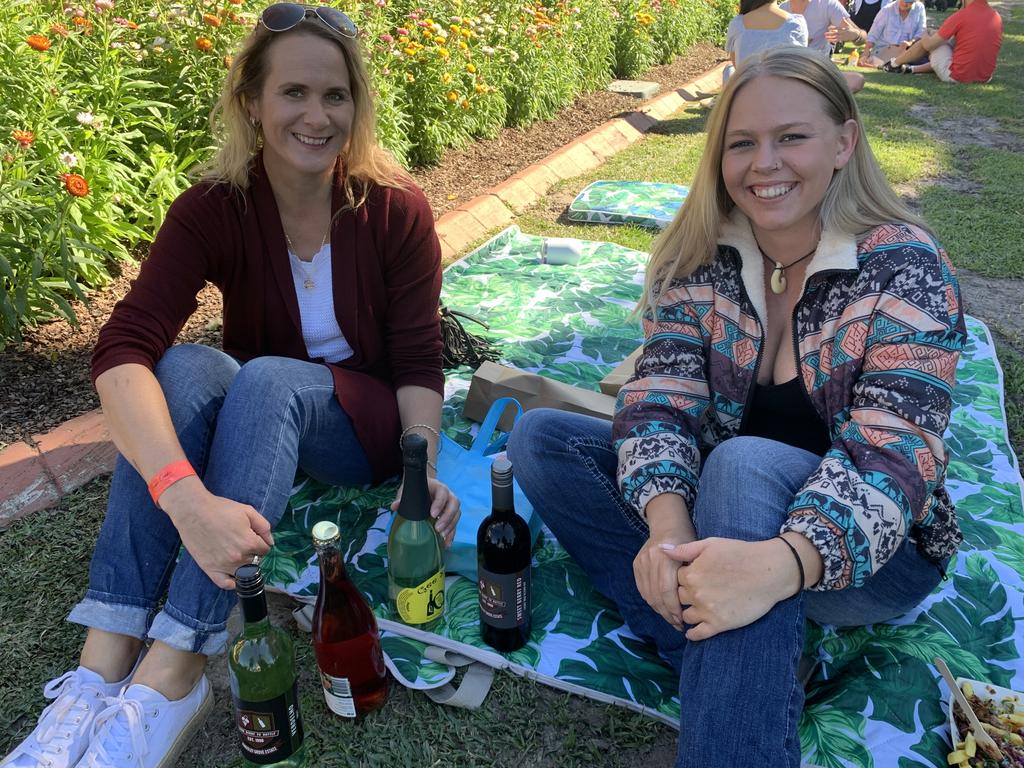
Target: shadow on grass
{"points": [[689, 123]]}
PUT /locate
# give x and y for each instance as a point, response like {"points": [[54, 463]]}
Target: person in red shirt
{"points": [[327, 259], [964, 49]]}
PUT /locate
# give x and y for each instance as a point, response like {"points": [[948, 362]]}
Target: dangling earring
{"points": [[254, 122]]}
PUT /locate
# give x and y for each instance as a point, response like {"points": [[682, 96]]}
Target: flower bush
{"points": [[106, 105]]}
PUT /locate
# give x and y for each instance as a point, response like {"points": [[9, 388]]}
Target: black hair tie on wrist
{"points": [[799, 564]]}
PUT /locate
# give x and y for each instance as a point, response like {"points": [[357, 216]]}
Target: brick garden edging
{"points": [[34, 474]]}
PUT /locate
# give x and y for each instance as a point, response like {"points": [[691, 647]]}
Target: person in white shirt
{"points": [[895, 29], [827, 23]]}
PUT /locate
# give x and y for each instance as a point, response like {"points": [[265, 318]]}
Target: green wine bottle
{"points": [[415, 567], [261, 671]]}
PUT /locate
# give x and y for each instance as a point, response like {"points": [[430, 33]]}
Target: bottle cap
{"points": [[248, 580], [325, 532], [414, 450], [501, 471]]}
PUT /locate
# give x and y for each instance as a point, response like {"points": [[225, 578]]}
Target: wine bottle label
{"points": [[338, 694], [504, 598], [418, 605], [269, 731]]}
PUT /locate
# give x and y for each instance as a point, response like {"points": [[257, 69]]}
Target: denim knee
{"points": [[194, 373], [269, 384], [746, 486]]}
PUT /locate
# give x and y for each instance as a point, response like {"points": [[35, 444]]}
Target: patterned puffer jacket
{"points": [[878, 330]]}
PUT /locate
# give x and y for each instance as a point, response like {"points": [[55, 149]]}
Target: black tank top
{"points": [[783, 412]]}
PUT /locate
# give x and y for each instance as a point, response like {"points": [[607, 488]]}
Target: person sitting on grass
{"points": [[828, 23], [898, 26], [760, 25], [327, 259], [778, 454], [964, 50]]}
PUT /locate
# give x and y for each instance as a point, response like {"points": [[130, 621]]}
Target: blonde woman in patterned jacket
{"points": [[778, 454]]}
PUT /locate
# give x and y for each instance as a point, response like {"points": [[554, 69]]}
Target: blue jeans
{"points": [[245, 429], [739, 693]]}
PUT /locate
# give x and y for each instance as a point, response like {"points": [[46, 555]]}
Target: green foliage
{"points": [[122, 99]]}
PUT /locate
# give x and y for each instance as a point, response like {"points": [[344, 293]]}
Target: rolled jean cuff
{"points": [[184, 633], [98, 611]]}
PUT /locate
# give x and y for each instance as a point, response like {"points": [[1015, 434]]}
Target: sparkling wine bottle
{"points": [[345, 636], [261, 671], [503, 566], [415, 567]]}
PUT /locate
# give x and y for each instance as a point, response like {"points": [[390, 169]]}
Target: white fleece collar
{"points": [[836, 250]]}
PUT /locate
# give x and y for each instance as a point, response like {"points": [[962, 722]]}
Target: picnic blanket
{"points": [[876, 700], [648, 204]]}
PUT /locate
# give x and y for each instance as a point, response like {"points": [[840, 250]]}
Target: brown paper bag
{"points": [[492, 381], [612, 383]]}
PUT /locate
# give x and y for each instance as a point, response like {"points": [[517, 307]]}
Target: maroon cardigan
{"points": [[386, 264]]}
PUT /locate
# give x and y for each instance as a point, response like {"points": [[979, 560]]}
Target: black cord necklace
{"points": [[778, 281]]}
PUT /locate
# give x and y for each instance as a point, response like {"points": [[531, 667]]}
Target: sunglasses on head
{"points": [[280, 17]]}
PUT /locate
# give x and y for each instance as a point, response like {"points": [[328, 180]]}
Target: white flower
{"points": [[85, 118], [487, 50], [69, 159], [159, 40], [515, 56]]}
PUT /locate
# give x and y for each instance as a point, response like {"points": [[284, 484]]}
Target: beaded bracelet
{"points": [[799, 564]]}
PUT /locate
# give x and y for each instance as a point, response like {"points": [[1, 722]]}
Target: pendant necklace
{"points": [[307, 281], [778, 281]]}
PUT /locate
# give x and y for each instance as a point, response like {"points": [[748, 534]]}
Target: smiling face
{"points": [[305, 106], [779, 154]]}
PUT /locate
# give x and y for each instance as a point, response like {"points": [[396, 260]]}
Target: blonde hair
{"points": [[858, 197], [365, 161]]}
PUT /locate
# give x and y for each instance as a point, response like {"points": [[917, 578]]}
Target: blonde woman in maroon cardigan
{"points": [[329, 266]]}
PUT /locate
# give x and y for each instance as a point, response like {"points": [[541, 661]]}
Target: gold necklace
{"points": [[307, 281], [778, 281]]}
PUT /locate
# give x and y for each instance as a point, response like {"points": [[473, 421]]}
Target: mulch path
{"points": [[46, 376]]}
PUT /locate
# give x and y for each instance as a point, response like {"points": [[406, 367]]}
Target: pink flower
{"points": [[380, 3], [402, 32], [103, 5], [387, 38]]}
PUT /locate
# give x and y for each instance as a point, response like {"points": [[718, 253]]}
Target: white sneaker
{"points": [[65, 726], [142, 728]]}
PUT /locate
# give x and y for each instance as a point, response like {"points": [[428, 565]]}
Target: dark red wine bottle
{"points": [[503, 567]]}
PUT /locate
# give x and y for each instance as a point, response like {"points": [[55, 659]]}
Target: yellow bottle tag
{"points": [[418, 605]]}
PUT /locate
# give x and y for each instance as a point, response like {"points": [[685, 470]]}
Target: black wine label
{"points": [[269, 731], [504, 598]]}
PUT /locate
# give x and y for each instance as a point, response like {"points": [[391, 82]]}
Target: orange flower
{"points": [[453, 96], [465, 103], [204, 44], [228, 61], [471, 68], [24, 138], [213, 21], [85, 24], [76, 185], [38, 42], [59, 30], [235, 2]]}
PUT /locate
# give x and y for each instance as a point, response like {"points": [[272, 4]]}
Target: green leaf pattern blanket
{"points": [[876, 699]]}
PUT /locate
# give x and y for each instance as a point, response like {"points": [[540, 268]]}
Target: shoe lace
{"points": [[119, 734], [58, 722]]}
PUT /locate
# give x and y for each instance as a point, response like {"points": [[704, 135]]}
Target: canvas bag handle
{"points": [[482, 443]]}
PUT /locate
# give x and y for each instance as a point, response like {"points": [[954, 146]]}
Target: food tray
{"points": [[986, 692]]}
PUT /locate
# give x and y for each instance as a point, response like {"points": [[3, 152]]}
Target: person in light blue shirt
{"points": [[760, 25], [896, 27]]}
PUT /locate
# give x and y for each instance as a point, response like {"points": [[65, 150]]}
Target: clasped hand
{"points": [[717, 584]]}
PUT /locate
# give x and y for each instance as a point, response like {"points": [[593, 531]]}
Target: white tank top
{"points": [[314, 290]]}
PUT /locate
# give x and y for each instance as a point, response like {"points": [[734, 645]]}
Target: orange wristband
{"points": [[168, 476]]}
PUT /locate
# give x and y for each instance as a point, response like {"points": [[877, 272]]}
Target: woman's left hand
{"points": [[727, 583], [444, 508]]}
